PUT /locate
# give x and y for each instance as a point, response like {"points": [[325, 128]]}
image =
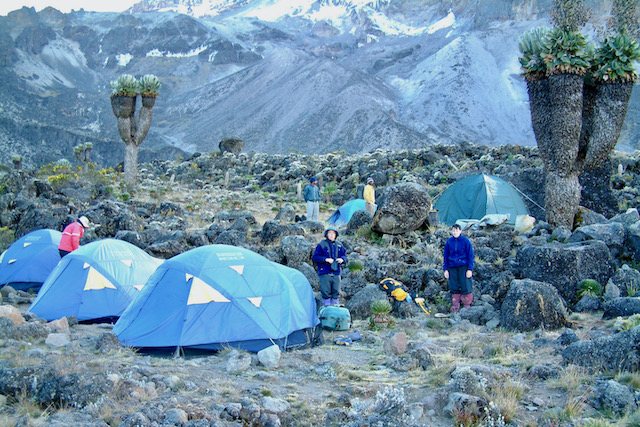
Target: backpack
{"points": [[334, 318], [395, 289]]}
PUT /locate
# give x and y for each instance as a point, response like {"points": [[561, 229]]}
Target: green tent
{"points": [[478, 195]]}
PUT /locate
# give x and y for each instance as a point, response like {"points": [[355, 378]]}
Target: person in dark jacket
{"points": [[329, 255], [458, 268]]}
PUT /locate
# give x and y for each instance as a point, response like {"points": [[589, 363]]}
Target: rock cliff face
{"points": [[325, 76]]}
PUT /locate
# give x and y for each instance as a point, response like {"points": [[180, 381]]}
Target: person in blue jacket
{"points": [[329, 255], [311, 194], [458, 268]]}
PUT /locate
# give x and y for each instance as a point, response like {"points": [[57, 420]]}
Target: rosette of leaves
{"points": [[567, 52], [614, 59], [126, 85], [532, 45], [149, 85]]}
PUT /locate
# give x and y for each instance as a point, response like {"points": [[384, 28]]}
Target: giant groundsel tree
{"points": [[133, 131], [578, 95]]}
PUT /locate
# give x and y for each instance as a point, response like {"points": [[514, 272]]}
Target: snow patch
{"points": [[123, 59], [193, 52], [446, 22]]}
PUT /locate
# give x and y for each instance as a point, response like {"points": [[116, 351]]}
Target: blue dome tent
{"points": [[478, 195], [97, 281], [29, 260], [219, 296], [343, 214]]}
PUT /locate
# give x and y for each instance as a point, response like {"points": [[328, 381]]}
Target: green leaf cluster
{"points": [[564, 50], [149, 85], [614, 59], [126, 85], [81, 147], [532, 48], [567, 52]]}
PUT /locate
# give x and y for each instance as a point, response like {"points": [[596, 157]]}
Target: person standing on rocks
{"points": [[329, 255], [369, 196], [71, 235], [311, 195], [458, 268]]}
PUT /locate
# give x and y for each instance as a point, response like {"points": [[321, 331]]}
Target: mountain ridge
{"points": [[305, 80]]}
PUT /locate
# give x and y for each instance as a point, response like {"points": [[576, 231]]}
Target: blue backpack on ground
{"points": [[334, 318]]}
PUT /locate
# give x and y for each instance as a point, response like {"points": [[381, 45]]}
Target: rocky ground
{"points": [[549, 340]]}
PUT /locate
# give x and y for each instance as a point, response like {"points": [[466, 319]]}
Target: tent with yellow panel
{"points": [[219, 296], [97, 281]]}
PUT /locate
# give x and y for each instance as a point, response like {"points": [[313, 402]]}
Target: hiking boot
{"points": [[455, 303], [467, 300], [326, 301], [335, 301]]}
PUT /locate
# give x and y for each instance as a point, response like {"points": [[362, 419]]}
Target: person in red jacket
{"points": [[71, 235]]}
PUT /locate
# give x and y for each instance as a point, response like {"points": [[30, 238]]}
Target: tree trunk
{"points": [[540, 114], [603, 127], [565, 121], [556, 115], [130, 163], [144, 124], [562, 197]]}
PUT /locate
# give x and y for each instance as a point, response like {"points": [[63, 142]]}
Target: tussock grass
{"points": [[571, 379], [632, 379], [506, 397]]}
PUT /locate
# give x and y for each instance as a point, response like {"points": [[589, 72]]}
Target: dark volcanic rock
{"points": [[614, 352], [565, 265], [402, 208], [530, 305]]}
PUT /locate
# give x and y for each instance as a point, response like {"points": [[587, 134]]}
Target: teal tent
{"points": [[478, 195], [343, 214]]}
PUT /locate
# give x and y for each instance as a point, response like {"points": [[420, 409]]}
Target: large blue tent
{"points": [[216, 296], [97, 281], [343, 214], [29, 260]]}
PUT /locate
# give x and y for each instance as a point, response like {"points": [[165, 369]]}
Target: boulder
{"points": [[272, 231], [566, 265], [588, 303], [617, 352], [129, 236], [358, 219], [231, 237], [626, 279], [168, 245], [12, 314], [360, 305], [623, 306], [403, 207], [612, 234], [628, 218], [108, 217], [231, 145], [530, 305], [270, 356], [287, 214], [615, 397], [296, 250]]}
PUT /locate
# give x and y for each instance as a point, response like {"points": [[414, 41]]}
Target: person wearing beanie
{"points": [[311, 194], [458, 268], [329, 256], [70, 240], [369, 196]]}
